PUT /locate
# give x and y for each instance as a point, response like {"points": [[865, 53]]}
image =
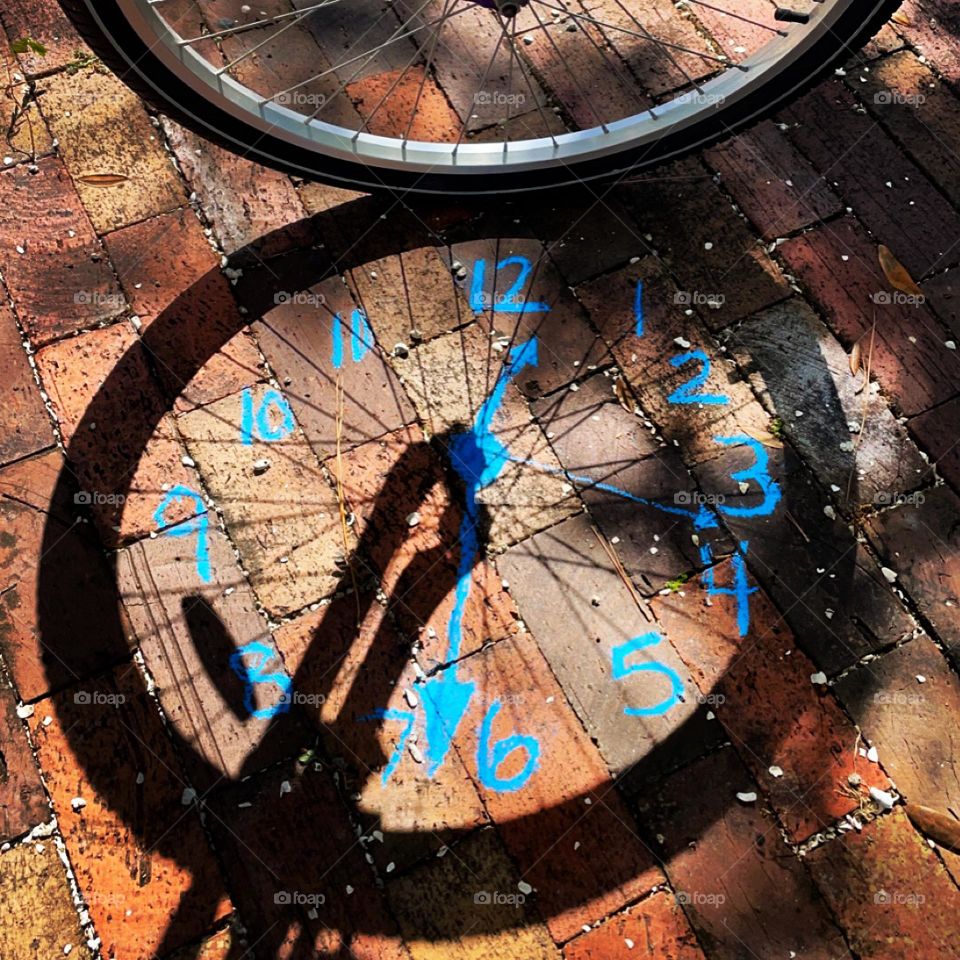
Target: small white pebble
{"points": [[25, 710], [885, 799], [889, 574], [776, 771], [188, 796], [872, 755], [747, 796], [524, 888], [187, 461], [818, 678], [921, 678]]}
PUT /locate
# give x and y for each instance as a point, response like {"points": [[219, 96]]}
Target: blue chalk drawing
{"points": [[638, 310], [512, 300], [404, 717], [622, 669], [255, 422], [361, 338], [703, 518], [685, 393], [249, 663], [741, 589], [490, 758], [478, 458], [759, 472], [195, 525]]}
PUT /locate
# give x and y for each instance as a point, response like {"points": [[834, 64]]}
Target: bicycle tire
{"points": [[120, 47]]}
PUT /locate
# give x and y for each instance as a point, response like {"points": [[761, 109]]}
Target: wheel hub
{"points": [[507, 9]]}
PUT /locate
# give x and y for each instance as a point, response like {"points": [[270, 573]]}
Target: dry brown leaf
{"points": [[626, 401], [896, 273], [102, 179], [939, 827], [901, 18], [855, 359]]}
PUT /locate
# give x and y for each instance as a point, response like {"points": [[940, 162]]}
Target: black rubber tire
{"points": [[121, 49]]}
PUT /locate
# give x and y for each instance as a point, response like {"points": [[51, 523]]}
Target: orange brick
{"points": [[140, 857], [656, 929], [23, 802]]}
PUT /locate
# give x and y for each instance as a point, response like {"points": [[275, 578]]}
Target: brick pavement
{"points": [[232, 481]]}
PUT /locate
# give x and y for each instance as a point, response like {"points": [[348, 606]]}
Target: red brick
{"points": [[936, 433], [62, 281], [23, 802], [285, 520], [587, 237], [861, 159], [281, 61], [296, 336], [292, 842], [351, 672], [909, 360], [570, 595], [384, 483], [742, 889], [24, 424], [732, 32], [764, 698], [54, 582], [26, 137], [567, 827], [387, 101], [735, 265], [245, 203], [656, 72], [771, 182], [942, 293], [926, 125], [201, 349], [448, 380], [118, 438], [225, 944], [656, 929], [889, 891], [140, 857], [468, 54], [188, 630], [918, 542], [571, 66]]}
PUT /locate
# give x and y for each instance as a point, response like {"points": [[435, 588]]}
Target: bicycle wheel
{"points": [[470, 96]]}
